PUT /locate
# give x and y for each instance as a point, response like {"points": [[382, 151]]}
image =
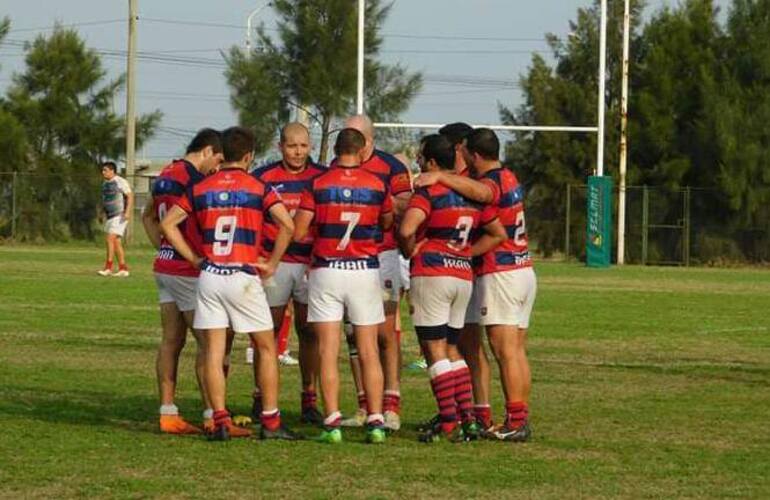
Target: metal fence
{"points": [[671, 227], [663, 226], [56, 207]]}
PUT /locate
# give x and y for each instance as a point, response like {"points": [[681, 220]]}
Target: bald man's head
{"points": [[294, 145], [363, 124]]}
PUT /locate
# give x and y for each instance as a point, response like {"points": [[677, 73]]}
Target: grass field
{"points": [[648, 382]]}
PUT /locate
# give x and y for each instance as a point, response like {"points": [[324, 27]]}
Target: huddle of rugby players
{"points": [[235, 247]]}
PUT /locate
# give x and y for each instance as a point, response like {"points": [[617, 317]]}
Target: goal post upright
{"points": [[599, 209]]}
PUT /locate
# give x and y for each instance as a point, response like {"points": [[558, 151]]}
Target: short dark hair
{"points": [[349, 142], [237, 142], [484, 142], [456, 132], [111, 165], [440, 149], [204, 138]]}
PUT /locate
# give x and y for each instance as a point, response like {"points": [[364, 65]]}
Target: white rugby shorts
{"points": [[180, 290], [405, 275], [116, 225], [439, 300], [357, 293], [289, 281], [472, 312], [390, 275], [507, 298], [237, 300]]}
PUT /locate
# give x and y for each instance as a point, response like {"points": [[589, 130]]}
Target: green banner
{"points": [[599, 221]]}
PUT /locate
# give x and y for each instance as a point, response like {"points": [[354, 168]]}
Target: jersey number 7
{"points": [[352, 219]]}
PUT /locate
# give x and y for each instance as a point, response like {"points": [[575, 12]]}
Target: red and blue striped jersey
{"points": [[172, 184], [289, 186], [347, 204], [508, 201], [444, 238], [228, 208], [395, 176]]}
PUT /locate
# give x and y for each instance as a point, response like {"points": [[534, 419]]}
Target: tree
{"points": [[65, 107], [312, 65], [566, 95]]}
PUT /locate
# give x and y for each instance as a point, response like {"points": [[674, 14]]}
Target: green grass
{"points": [[648, 382]]}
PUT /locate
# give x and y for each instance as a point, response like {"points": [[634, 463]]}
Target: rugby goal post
{"points": [[599, 219]]}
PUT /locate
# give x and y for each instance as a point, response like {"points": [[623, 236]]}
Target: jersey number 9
{"points": [[224, 234]]}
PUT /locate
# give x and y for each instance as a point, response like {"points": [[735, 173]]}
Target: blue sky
{"points": [[471, 53]]}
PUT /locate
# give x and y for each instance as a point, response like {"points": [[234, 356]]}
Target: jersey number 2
{"points": [[224, 234]]}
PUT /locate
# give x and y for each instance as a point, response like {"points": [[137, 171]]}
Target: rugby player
{"points": [[348, 207], [175, 277], [436, 232], [471, 344], [506, 285], [289, 177], [229, 208], [118, 206], [395, 176]]}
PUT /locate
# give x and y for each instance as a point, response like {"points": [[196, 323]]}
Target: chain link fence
{"points": [[663, 226], [55, 207], [671, 227]]}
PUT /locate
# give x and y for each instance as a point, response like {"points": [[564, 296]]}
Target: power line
{"points": [[69, 25]]}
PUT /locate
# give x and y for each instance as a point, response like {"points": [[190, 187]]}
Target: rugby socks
{"points": [[121, 267], [169, 409], [463, 391], [108, 264], [483, 413], [309, 400], [333, 421], [443, 385], [362, 401], [282, 336], [271, 420], [222, 418], [375, 420], [516, 413], [391, 401]]}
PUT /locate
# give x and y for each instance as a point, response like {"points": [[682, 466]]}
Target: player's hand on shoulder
{"points": [[426, 179]]}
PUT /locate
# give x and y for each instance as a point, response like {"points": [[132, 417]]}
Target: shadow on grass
{"points": [[91, 408]]}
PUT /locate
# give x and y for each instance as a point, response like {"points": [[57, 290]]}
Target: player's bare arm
{"points": [[281, 216], [302, 220], [151, 223], [169, 226], [494, 235], [386, 221], [400, 202], [407, 232], [467, 187]]}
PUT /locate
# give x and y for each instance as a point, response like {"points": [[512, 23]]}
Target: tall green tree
{"points": [[64, 102], [312, 65], [565, 94]]}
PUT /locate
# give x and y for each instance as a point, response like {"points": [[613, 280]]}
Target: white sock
{"points": [[169, 409], [331, 419], [439, 367], [460, 363], [208, 413], [374, 417]]}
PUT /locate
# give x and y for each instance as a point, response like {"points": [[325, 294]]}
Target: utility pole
{"points": [[623, 137], [130, 101], [360, 79]]}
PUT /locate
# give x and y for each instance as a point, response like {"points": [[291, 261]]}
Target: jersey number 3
{"points": [[224, 234]]}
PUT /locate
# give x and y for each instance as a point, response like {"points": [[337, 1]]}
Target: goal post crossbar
{"points": [[511, 128]]}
